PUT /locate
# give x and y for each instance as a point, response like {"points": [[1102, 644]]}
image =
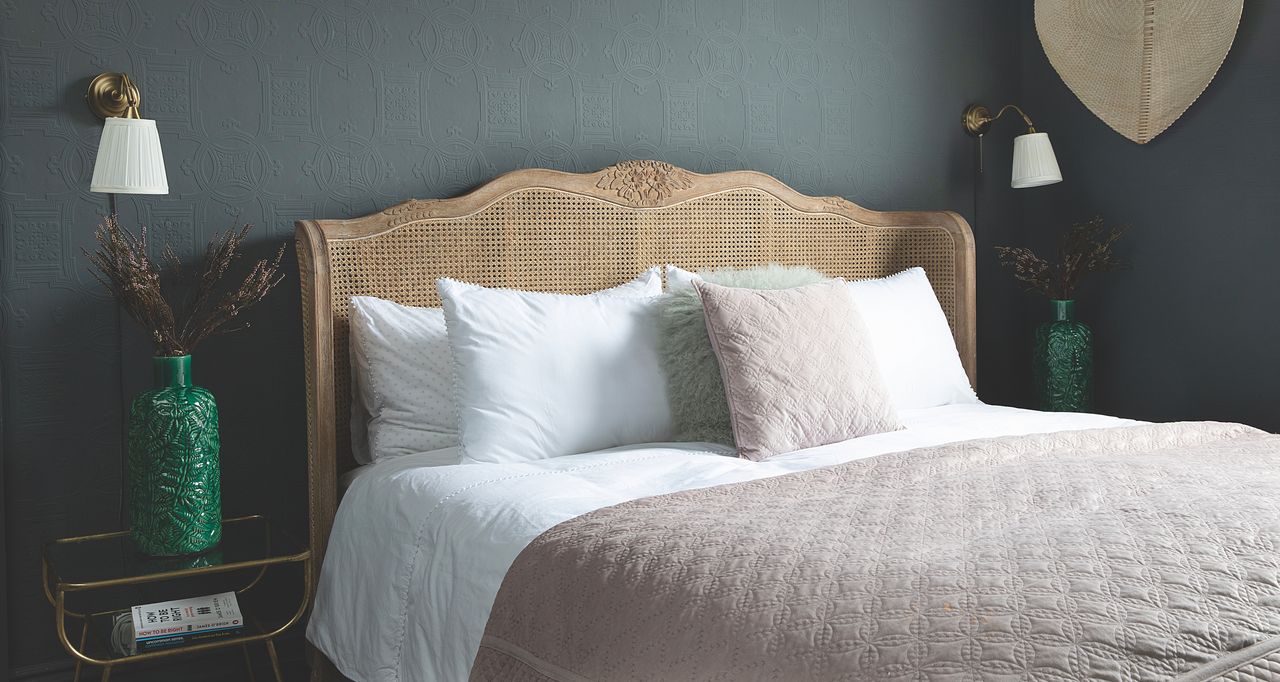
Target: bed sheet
{"points": [[418, 553]]}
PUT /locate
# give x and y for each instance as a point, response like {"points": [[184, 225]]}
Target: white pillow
{"points": [[909, 334], [546, 375], [402, 381], [912, 341]]}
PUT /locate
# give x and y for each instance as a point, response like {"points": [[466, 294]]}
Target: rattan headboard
{"points": [[572, 233]]}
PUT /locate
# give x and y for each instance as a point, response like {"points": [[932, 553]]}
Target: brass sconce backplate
{"points": [[977, 120], [113, 95]]}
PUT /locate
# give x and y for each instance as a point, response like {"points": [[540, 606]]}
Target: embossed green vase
{"points": [[1063, 369], [175, 492]]}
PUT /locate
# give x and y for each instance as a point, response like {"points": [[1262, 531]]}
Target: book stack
{"points": [[184, 622]]}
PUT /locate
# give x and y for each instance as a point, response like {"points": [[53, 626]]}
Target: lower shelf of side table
{"points": [[94, 639]]}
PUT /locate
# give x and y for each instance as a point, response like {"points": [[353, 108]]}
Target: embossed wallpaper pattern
{"points": [[271, 111]]}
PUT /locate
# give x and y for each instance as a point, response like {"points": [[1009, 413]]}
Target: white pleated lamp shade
{"points": [[1033, 161], [129, 159]]}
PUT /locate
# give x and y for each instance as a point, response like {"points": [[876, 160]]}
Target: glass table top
{"points": [[114, 558]]}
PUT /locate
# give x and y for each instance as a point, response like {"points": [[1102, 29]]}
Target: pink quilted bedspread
{"points": [[1133, 553]]}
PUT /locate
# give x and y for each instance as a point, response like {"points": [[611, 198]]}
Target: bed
{"points": [[439, 572]]}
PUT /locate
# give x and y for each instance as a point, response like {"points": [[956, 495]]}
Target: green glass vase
{"points": [[175, 492], [1063, 369]]}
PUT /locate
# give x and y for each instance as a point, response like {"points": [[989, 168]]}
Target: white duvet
{"points": [[418, 553]]}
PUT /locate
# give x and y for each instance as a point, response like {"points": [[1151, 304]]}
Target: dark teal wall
{"points": [[274, 111], [1189, 332]]}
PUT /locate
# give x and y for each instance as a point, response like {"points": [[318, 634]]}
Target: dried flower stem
{"points": [[124, 265], [1086, 247]]}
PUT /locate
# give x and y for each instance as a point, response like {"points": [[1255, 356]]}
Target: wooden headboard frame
{"points": [[548, 230]]}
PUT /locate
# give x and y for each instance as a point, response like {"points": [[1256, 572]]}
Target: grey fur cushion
{"points": [[698, 405]]}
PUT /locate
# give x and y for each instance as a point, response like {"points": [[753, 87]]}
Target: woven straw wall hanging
{"points": [[1137, 64]]}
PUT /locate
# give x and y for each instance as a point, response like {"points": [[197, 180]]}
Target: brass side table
{"points": [[74, 567]]}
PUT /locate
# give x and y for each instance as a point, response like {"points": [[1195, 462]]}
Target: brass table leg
{"points": [[248, 663], [106, 673], [275, 662], [84, 634]]}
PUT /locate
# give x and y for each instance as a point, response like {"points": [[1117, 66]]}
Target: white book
{"points": [[185, 616]]}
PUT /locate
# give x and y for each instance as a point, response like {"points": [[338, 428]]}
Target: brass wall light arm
{"points": [[132, 99], [978, 119], [1031, 128]]}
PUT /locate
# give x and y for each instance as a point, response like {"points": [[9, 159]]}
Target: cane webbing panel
{"points": [[549, 240]]}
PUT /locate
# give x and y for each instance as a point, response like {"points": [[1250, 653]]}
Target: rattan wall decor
{"points": [[548, 230], [1139, 64]]}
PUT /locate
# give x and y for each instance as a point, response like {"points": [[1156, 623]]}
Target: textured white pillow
{"points": [[912, 341], [402, 380], [402, 398], [546, 375]]}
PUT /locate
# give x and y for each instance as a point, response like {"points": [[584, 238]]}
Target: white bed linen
{"points": [[418, 553]]}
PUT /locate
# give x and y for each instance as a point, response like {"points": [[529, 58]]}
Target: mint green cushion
{"points": [[698, 405]]}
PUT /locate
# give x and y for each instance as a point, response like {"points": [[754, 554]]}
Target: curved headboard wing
{"points": [[573, 233]]}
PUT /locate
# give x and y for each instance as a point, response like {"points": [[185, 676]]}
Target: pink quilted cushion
{"points": [[797, 366]]}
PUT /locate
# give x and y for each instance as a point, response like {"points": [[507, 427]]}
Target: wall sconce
{"points": [[1034, 163], [129, 157]]}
